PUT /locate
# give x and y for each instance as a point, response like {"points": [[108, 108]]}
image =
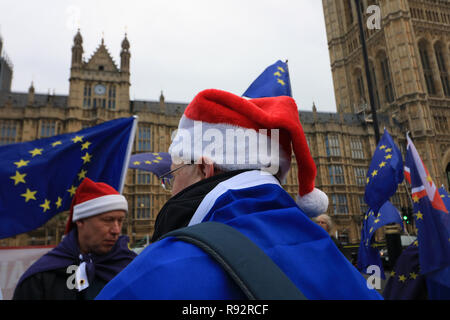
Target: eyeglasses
{"points": [[168, 178]]}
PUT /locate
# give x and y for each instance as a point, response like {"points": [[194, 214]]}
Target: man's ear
{"points": [[206, 167], [79, 223]]}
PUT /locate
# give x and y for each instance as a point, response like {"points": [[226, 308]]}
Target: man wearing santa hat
{"points": [[230, 156], [91, 253]]}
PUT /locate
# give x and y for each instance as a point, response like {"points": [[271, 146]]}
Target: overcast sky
{"points": [[178, 46]]}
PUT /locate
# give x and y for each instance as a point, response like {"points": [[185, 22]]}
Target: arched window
{"points": [[373, 77], [348, 12], [442, 68], [427, 70], [360, 91], [386, 77]]}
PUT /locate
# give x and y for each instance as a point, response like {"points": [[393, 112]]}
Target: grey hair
{"points": [[328, 221]]}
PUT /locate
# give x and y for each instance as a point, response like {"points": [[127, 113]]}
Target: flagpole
{"points": [[289, 78], [367, 69]]}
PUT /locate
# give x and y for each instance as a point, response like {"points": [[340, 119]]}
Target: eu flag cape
{"points": [[256, 205], [39, 178], [273, 82]]}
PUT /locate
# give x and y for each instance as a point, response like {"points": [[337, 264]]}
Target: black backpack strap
{"points": [[250, 268]]}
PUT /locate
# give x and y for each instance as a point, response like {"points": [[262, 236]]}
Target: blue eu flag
{"points": [[432, 220], [157, 163], [39, 178], [273, 82], [385, 173], [368, 255]]}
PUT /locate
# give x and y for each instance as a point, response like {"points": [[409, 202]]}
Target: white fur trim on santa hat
{"points": [[230, 147], [99, 205], [313, 203]]}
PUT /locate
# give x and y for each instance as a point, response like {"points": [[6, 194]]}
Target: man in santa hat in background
{"points": [[91, 253], [214, 178]]}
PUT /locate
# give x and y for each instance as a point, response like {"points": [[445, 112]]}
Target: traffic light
{"points": [[407, 214]]}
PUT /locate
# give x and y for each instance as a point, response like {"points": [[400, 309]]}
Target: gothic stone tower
{"points": [[409, 58], [99, 83]]}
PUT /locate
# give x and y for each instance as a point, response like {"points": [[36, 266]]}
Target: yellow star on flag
{"points": [[56, 143], [402, 278], [368, 180], [413, 275], [36, 152], [377, 220], [281, 82], [72, 190], [383, 164], [18, 178], [29, 195], [374, 173], [419, 215], [277, 74], [281, 69], [77, 139], [389, 156], [136, 163], [21, 163], [392, 273], [371, 229], [85, 145], [45, 205], [58, 203], [82, 174], [415, 198], [388, 150], [148, 162], [86, 158], [416, 243], [155, 153], [159, 158], [382, 147]]}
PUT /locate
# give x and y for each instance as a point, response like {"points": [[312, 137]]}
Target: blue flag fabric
{"points": [[157, 163], [39, 178], [445, 197], [405, 281], [273, 82], [368, 255], [385, 173], [432, 220], [173, 269]]}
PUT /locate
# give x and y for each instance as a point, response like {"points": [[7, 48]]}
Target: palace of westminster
{"points": [[409, 59]]}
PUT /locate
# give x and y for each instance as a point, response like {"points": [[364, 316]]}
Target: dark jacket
{"points": [[52, 277], [52, 285]]}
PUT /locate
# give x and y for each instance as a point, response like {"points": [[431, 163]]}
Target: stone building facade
{"points": [[409, 62], [341, 143]]}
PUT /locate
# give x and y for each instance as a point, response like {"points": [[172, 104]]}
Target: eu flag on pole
{"points": [[372, 222], [385, 173], [157, 163], [445, 197], [432, 220], [273, 82], [39, 178]]}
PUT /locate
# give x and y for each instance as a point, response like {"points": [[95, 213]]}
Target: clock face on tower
{"points": [[99, 89]]}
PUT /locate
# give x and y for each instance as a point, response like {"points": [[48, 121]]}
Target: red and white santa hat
{"points": [[94, 198], [214, 116]]}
